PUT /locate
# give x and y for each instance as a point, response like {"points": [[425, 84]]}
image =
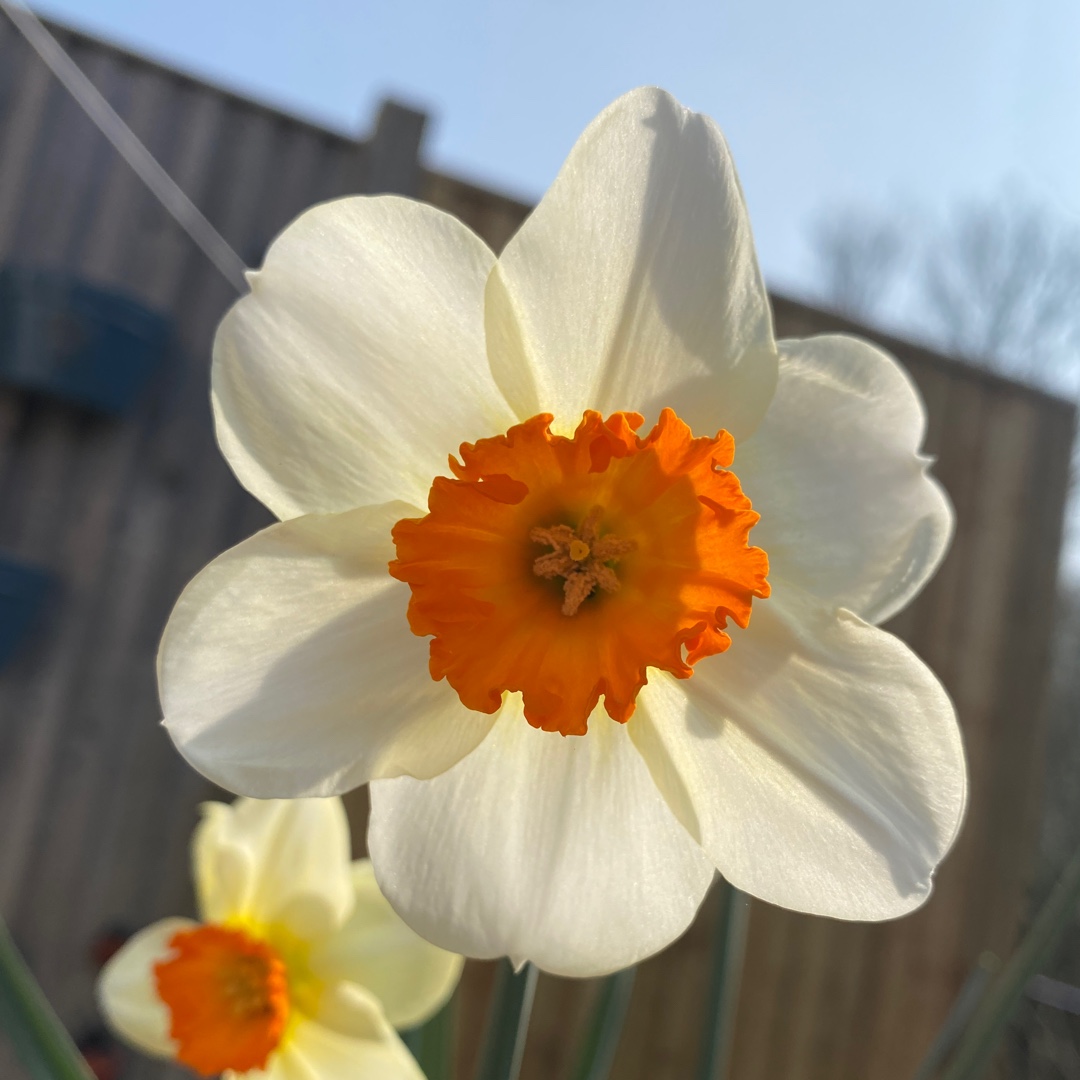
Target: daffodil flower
{"points": [[300, 970], [628, 636]]}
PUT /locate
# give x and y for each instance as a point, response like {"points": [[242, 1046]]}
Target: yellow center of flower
{"points": [[564, 568], [228, 999]]}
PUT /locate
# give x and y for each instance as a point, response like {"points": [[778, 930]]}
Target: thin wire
{"points": [[186, 214]]}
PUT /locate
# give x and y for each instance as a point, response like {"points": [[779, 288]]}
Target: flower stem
{"points": [[432, 1044], [37, 1036], [508, 1023], [963, 1009], [983, 1034], [729, 948], [605, 1026]]}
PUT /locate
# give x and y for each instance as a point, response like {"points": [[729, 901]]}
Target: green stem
{"points": [[432, 1044], [963, 1009], [729, 950], [987, 1026], [508, 1023], [602, 1036], [37, 1036]]}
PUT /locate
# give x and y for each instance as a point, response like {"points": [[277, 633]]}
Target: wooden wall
{"points": [[96, 807]]}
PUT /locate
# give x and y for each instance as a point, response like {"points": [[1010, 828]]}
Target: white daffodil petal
{"points": [[818, 761], [411, 978], [315, 1052], [288, 668], [362, 305], [634, 284], [127, 990], [554, 849], [848, 511]]}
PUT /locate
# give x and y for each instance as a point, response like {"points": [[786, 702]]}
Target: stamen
{"points": [[582, 558]]}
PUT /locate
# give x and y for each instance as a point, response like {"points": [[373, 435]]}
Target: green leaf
{"points": [[980, 1040], [37, 1036], [729, 949], [601, 1038], [508, 1023]]}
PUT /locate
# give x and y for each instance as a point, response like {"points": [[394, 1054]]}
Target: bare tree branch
{"points": [[859, 257], [1001, 286]]}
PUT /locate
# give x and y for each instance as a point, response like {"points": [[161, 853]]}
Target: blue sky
{"points": [[829, 104]]}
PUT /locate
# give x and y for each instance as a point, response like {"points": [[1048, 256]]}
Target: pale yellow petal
{"points": [[411, 978], [223, 865], [127, 991], [352, 1010], [295, 862], [315, 1052]]}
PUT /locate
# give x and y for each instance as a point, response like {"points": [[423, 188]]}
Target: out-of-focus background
{"points": [[911, 175]]}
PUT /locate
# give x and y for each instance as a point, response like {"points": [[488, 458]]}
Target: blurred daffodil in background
{"points": [[299, 969], [630, 635]]}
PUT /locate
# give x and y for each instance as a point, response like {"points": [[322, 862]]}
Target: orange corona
{"points": [[227, 996], [564, 568]]}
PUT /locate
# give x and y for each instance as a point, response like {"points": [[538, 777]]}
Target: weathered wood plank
{"points": [[49, 476], [111, 232], [23, 126], [55, 210]]}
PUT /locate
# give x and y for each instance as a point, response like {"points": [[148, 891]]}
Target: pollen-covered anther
{"points": [[582, 558]]}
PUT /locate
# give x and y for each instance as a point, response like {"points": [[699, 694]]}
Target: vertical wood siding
{"points": [[95, 805]]}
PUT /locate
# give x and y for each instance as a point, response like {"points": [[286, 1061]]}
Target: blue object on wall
{"points": [[22, 590], [86, 345]]}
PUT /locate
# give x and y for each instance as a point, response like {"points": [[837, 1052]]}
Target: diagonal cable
{"points": [[186, 214]]}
